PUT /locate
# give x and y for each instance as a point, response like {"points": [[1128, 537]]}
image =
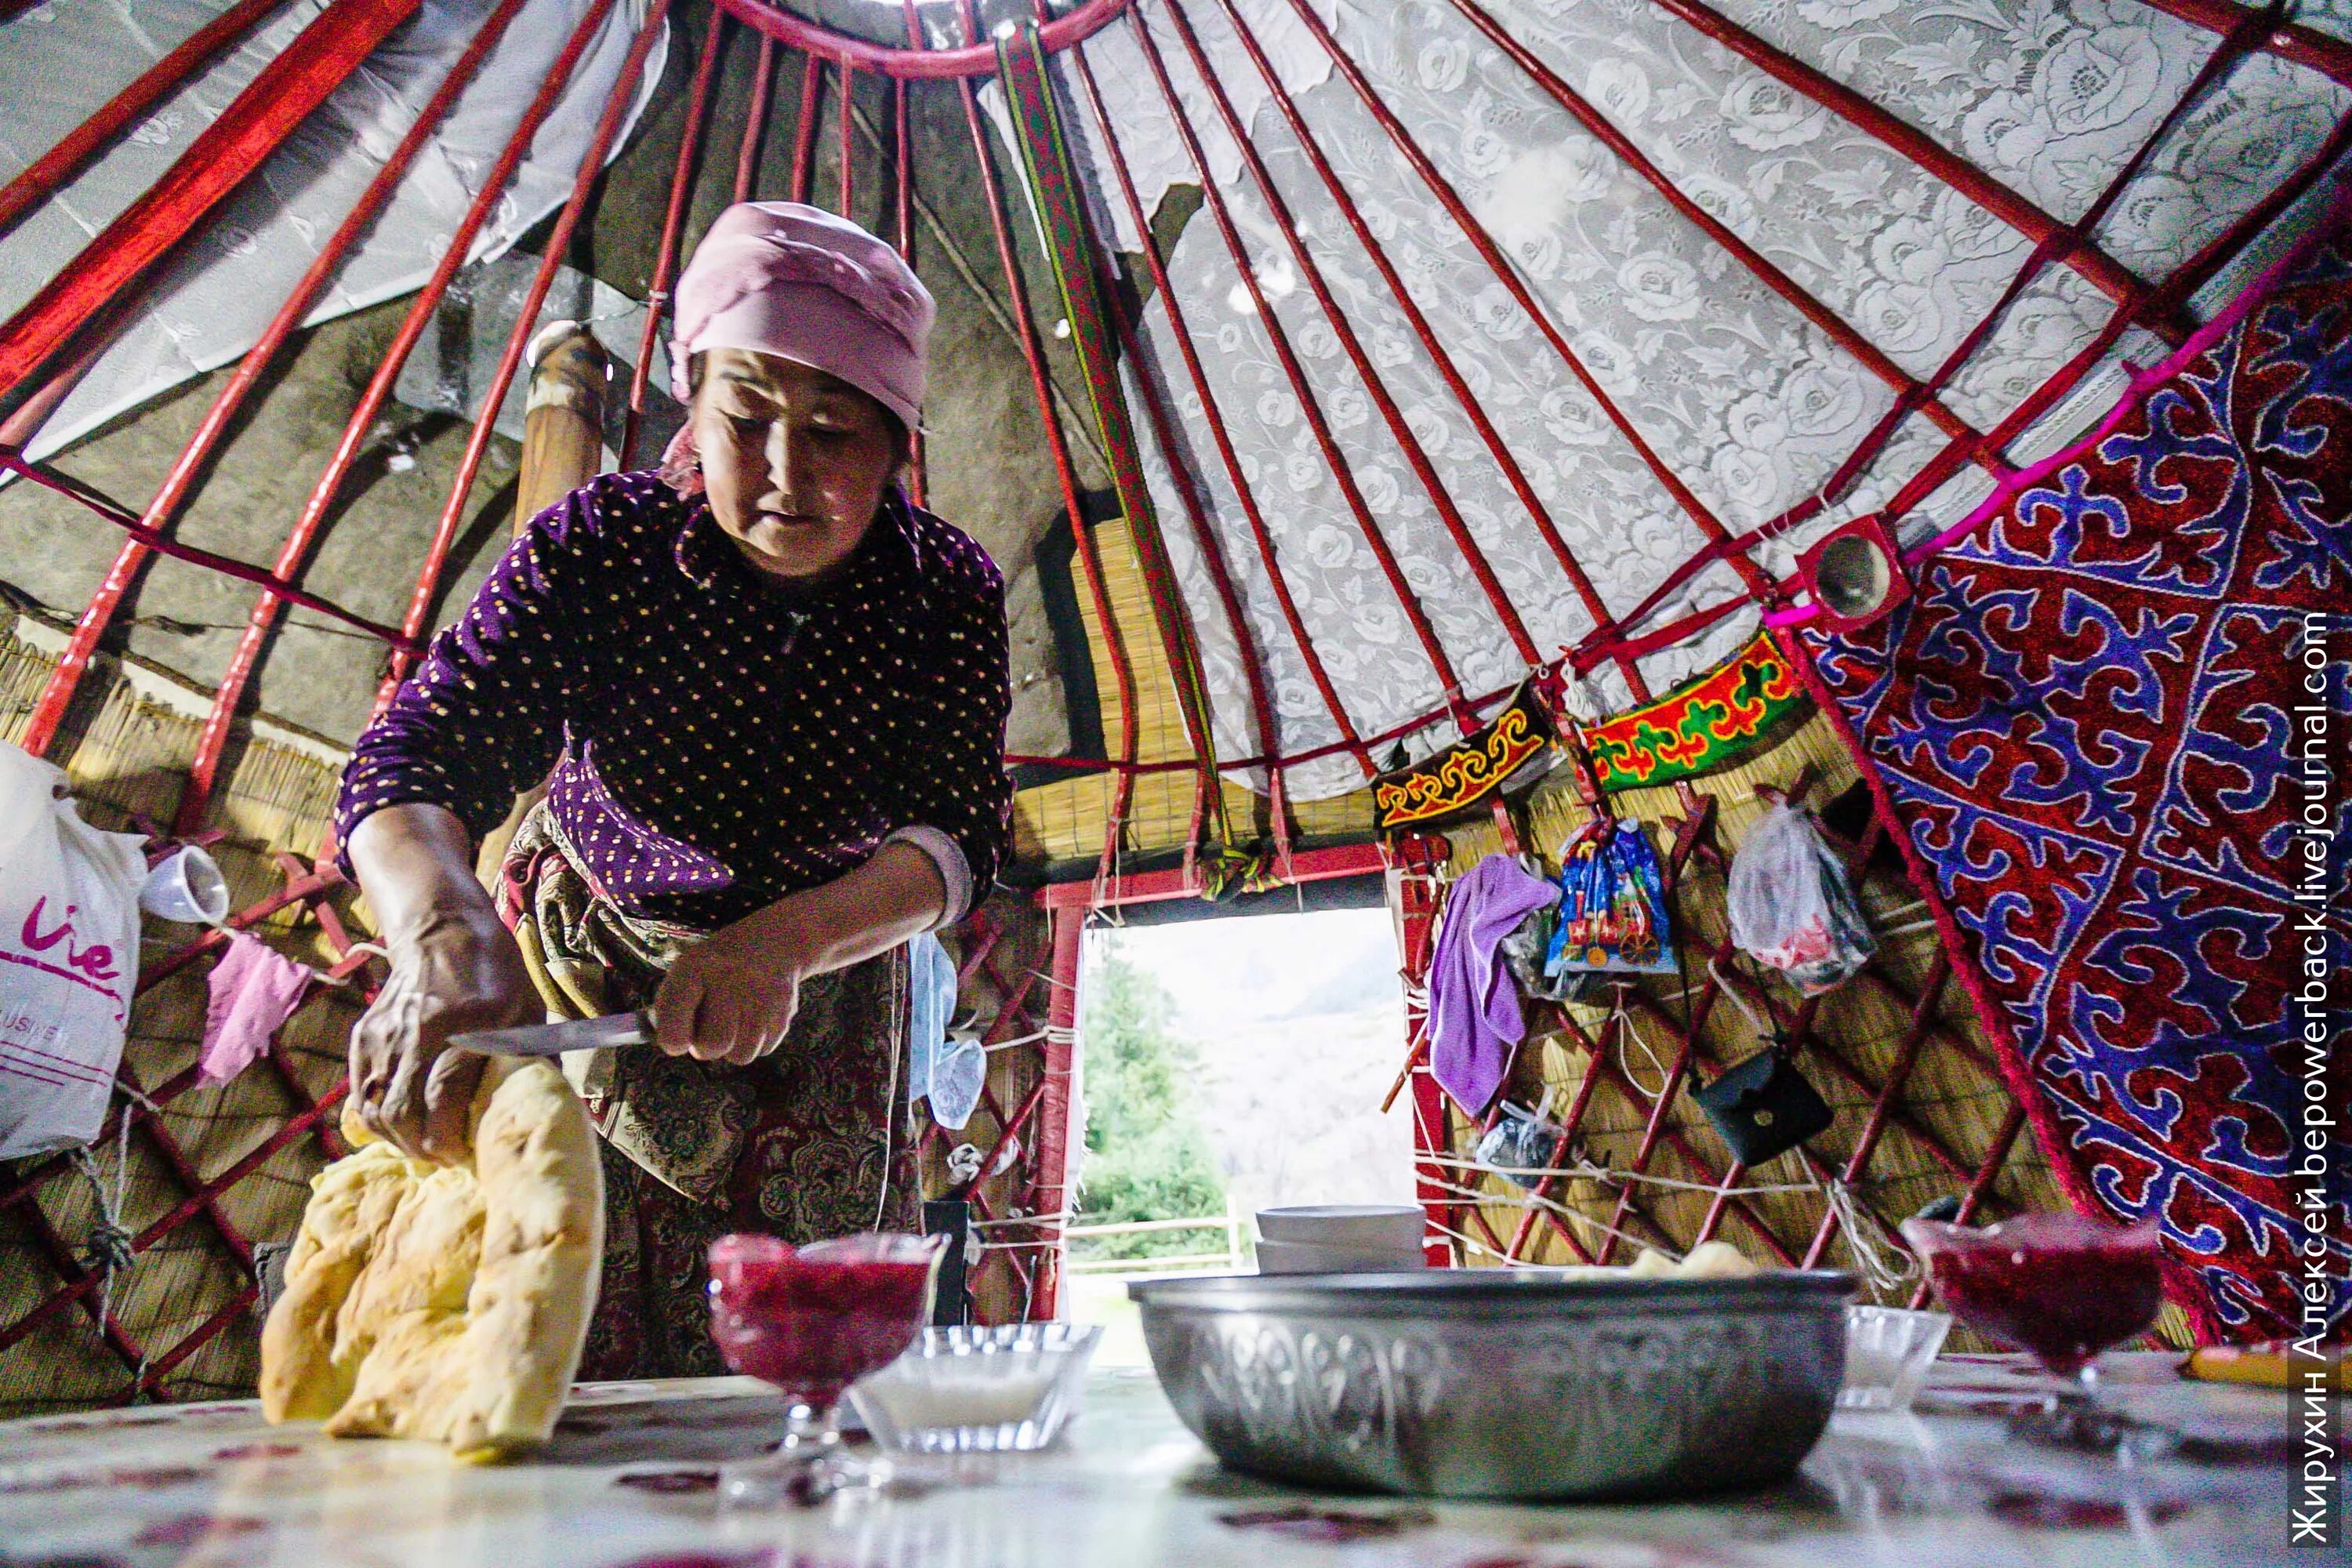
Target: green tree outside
{"points": [[1147, 1156]]}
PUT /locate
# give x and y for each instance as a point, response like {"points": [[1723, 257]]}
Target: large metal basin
{"points": [[1487, 1383]]}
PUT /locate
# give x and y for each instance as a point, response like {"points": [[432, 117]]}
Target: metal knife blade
{"points": [[554, 1039]]}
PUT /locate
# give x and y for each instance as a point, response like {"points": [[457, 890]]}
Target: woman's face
{"points": [[794, 460]]}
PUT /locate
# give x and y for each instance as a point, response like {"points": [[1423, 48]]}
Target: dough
{"points": [[449, 1304], [1707, 1260]]}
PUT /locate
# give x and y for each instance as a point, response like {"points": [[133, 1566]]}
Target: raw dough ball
{"points": [[446, 1303]]}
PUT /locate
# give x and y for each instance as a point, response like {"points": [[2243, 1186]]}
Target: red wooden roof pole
{"points": [[917, 64], [755, 114], [903, 160], [2101, 270], [1089, 557], [54, 168], [213, 741], [2158, 303], [905, 144], [805, 130], [1476, 232], [1509, 276], [1496, 445], [2160, 300], [2304, 46], [1954, 457], [57, 697], [90, 343], [1989, 448], [2185, 281], [1211, 545], [848, 163], [1393, 416], [217, 162], [2133, 305], [1165, 433], [682, 192], [567, 222], [123, 517], [1450, 684], [2163, 299], [1840, 332], [1050, 1193]]}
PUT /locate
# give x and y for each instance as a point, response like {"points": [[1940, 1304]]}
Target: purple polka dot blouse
{"points": [[716, 743]]}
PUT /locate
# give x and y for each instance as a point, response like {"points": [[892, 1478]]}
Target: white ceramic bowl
{"points": [[1312, 1258], [1353, 1227]]}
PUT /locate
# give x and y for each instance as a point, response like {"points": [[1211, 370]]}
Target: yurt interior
{"points": [[1797, 549]]}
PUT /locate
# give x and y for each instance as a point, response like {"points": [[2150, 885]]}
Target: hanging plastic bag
{"points": [[1529, 948], [1792, 908], [1520, 1144], [959, 1072], [68, 958], [1613, 904]]}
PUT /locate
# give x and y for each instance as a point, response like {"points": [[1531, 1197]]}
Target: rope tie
{"points": [[110, 1249], [1882, 1266], [1628, 1029]]}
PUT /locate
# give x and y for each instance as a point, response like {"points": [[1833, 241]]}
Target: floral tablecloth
{"points": [[629, 1481]]}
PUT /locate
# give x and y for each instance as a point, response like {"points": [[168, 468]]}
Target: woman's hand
{"points": [[732, 997], [454, 968], [411, 1088]]}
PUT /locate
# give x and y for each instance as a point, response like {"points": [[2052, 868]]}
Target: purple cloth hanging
{"points": [[251, 992], [1475, 1022]]}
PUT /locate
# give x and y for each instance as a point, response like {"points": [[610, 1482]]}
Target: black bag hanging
{"points": [[1764, 1107]]}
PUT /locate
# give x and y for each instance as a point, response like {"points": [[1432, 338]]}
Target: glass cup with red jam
{"points": [[811, 1320], [2062, 1286]]}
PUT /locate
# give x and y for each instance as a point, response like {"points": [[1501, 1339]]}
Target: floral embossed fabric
{"points": [[1749, 403]]}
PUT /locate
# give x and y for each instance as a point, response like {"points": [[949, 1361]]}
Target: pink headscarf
{"points": [[797, 282]]}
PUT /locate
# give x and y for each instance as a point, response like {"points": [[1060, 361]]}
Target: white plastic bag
{"points": [[68, 958], [1792, 907]]}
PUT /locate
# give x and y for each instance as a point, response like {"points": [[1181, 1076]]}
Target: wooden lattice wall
{"points": [[213, 1171], [1922, 1109]]}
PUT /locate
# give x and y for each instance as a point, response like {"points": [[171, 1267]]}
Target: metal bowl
{"points": [[1488, 1383]]}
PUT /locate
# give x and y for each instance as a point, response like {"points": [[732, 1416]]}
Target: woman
{"points": [[772, 695]]}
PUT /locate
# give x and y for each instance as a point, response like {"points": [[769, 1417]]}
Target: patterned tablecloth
{"points": [[628, 1482]]}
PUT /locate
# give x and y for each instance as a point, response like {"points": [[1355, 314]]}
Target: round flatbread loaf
{"points": [[449, 1304]]}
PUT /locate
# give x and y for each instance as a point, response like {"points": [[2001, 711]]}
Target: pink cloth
{"points": [[253, 991], [1475, 1022], [797, 282]]}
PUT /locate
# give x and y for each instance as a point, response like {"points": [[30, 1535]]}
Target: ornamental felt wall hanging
{"points": [[2089, 720], [1706, 724], [1466, 772]]}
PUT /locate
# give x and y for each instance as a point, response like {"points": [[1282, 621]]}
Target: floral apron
{"points": [[797, 1145]]}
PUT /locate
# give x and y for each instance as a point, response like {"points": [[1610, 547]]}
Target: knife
{"points": [[554, 1039]]}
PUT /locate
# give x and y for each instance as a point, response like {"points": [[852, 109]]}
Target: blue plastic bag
{"points": [[1612, 905]]}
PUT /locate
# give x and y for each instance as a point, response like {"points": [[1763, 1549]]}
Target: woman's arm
{"points": [[454, 967], [482, 717], [732, 997]]}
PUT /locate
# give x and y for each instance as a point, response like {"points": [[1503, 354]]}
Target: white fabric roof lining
{"points": [[208, 302], [1662, 313]]}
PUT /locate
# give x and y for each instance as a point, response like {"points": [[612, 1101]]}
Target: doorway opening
{"points": [[1227, 1064]]}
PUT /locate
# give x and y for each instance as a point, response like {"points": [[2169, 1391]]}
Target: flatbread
{"points": [[449, 1304]]}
